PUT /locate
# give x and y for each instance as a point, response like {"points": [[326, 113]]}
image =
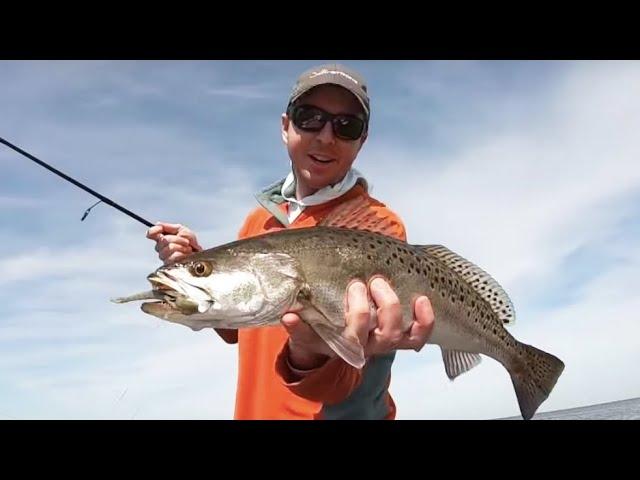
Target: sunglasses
{"points": [[313, 119]]}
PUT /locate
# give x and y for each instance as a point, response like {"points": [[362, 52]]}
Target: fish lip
{"points": [[163, 282]]}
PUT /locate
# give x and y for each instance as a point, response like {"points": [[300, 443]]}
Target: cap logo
{"points": [[334, 72]]}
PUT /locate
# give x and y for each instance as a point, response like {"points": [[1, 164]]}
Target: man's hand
{"points": [[389, 334], [377, 324], [173, 241]]}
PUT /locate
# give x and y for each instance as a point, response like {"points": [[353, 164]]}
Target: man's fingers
{"points": [[389, 312], [421, 327], [188, 235], [173, 258], [154, 232], [166, 240], [302, 337], [170, 235], [173, 248], [291, 321], [171, 228], [357, 312]]}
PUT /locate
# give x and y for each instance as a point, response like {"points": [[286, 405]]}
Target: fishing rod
{"points": [[78, 184]]}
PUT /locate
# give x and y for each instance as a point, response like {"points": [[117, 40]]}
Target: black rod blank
{"points": [[76, 183]]}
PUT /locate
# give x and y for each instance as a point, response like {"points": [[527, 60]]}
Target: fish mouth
{"points": [[172, 295], [178, 294], [163, 285]]}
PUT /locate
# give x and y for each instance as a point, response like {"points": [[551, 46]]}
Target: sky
{"points": [[530, 169]]}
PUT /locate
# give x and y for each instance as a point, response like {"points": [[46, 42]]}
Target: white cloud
{"points": [[11, 202], [246, 92]]}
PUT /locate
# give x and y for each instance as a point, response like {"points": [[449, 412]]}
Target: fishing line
{"points": [[78, 184]]}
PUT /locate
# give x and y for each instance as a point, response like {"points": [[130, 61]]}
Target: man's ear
{"points": [[285, 128]]}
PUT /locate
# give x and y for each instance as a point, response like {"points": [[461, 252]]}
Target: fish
{"points": [[251, 283]]}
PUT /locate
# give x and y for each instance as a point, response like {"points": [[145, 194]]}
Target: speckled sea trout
{"points": [[252, 282]]}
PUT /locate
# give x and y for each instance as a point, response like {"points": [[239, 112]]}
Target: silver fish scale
{"points": [[331, 255]]}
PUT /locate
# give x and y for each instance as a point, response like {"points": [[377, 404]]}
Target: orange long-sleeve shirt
{"points": [[268, 389]]}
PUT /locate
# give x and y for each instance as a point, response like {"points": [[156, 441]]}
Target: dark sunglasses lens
{"points": [[312, 119], [349, 128], [309, 118]]}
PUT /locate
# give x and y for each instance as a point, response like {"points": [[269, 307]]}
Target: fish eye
{"points": [[201, 269]]}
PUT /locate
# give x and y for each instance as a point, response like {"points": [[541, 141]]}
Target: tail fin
{"points": [[536, 379]]}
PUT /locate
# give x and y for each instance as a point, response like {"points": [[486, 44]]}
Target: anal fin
{"points": [[457, 362]]}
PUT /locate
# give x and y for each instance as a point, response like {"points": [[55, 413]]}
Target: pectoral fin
{"points": [[348, 349]]}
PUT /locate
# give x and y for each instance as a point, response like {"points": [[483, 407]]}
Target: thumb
{"points": [[291, 322]]}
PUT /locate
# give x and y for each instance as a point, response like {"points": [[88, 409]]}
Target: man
{"points": [[287, 371]]}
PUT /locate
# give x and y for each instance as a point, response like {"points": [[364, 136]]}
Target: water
{"points": [[620, 410]]}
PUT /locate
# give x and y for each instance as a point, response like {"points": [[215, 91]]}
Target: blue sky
{"points": [[530, 169]]}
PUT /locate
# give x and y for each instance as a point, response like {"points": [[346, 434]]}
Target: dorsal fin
{"points": [[359, 214], [478, 279]]}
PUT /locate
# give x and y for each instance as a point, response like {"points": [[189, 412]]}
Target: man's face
{"points": [[320, 158]]}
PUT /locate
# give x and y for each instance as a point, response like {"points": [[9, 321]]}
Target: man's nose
{"points": [[325, 135]]}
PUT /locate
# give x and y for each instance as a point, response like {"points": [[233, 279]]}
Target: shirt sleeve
{"points": [[329, 384]]}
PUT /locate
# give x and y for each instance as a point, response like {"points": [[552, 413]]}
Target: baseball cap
{"points": [[336, 74]]}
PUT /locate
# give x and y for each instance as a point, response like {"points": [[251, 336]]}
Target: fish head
{"points": [[197, 288], [241, 291]]}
